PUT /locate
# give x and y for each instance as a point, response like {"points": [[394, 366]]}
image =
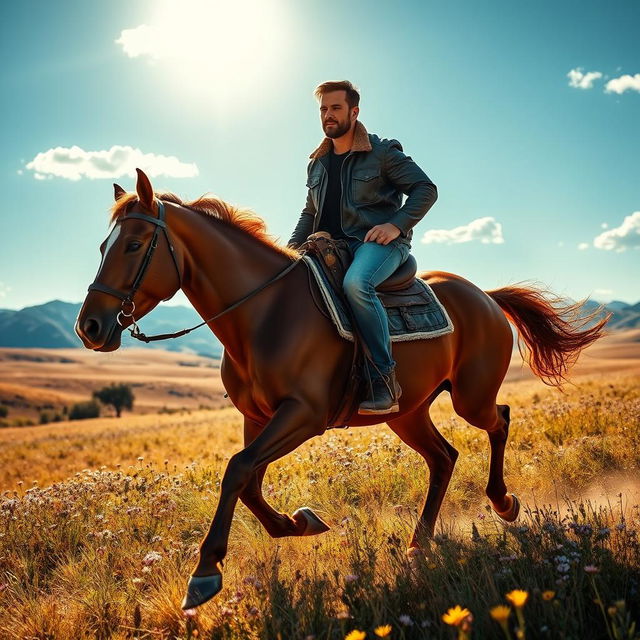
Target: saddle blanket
{"points": [[406, 322]]}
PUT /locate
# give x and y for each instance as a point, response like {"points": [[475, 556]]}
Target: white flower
{"points": [[151, 558]]}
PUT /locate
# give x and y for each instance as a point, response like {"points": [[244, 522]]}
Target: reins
{"points": [[128, 306], [138, 335]]}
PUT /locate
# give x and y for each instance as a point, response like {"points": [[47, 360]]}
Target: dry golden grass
{"points": [[105, 552]]}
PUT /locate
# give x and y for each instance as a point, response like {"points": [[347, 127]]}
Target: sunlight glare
{"points": [[221, 49]]}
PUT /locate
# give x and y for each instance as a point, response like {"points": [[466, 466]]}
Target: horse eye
{"points": [[133, 246]]}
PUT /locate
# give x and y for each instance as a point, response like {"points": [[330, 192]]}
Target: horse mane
{"points": [[243, 219]]}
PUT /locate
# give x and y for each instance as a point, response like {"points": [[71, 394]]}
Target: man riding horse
{"points": [[355, 186]]}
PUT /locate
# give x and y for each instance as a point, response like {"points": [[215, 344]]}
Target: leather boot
{"points": [[380, 399]]}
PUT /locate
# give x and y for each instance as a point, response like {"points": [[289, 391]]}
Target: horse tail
{"points": [[553, 330]]}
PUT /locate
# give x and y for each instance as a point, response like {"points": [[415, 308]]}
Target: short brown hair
{"points": [[353, 97]]}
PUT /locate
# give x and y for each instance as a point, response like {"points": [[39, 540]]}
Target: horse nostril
{"points": [[91, 328]]}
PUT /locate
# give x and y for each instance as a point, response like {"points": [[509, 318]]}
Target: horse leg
{"points": [[481, 411], [417, 430], [303, 522], [293, 423]]}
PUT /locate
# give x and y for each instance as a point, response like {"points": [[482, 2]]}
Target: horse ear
{"points": [[144, 189], [118, 191]]}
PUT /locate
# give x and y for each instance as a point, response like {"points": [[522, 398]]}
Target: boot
{"points": [[380, 400]]}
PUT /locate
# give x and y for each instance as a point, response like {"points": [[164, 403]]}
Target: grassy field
{"points": [[100, 522]]}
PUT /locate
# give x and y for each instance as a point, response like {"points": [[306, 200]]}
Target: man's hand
{"points": [[382, 233]]}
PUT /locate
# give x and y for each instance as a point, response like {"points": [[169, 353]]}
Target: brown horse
{"points": [[285, 367]]}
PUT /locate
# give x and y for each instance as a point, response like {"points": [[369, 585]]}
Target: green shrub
{"points": [[84, 410]]}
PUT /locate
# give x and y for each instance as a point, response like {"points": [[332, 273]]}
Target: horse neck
{"points": [[222, 264]]}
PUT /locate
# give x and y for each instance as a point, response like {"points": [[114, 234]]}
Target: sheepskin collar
{"points": [[360, 142]]}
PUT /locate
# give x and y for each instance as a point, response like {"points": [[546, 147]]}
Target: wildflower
{"points": [[189, 613], [382, 631], [226, 612], [612, 610], [350, 577], [517, 598], [356, 634], [591, 569], [254, 612], [151, 558], [456, 616], [140, 458], [548, 595], [343, 615], [405, 620], [500, 613]]}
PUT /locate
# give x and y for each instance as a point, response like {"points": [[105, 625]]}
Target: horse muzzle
{"points": [[98, 334]]}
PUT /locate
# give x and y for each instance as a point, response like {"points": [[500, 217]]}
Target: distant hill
{"points": [[50, 326], [625, 316]]}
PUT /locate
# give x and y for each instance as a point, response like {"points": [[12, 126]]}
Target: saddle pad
{"points": [[411, 322]]}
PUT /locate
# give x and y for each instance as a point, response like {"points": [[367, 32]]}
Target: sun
{"points": [[219, 50]]}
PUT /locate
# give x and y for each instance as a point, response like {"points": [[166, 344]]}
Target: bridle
{"points": [[128, 306]]}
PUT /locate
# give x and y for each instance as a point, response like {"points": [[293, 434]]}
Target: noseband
{"points": [[128, 306]]}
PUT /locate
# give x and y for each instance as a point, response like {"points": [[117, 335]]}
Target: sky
{"points": [[525, 115]]}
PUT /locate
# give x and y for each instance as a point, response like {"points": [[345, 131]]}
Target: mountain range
{"points": [[50, 325]]}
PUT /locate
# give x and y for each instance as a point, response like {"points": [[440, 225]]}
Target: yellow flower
{"points": [[456, 616], [383, 631], [356, 634], [500, 613], [548, 595], [517, 598]]}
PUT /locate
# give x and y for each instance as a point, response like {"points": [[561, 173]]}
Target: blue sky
{"points": [[526, 116]]}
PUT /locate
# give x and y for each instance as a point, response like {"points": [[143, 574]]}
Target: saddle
{"points": [[398, 292]]}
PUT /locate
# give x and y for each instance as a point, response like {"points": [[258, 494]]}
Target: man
{"points": [[355, 186]]}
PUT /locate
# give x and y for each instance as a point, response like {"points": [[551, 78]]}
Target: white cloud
{"points": [[605, 225], [561, 243], [74, 163], [603, 292], [580, 80], [4, 289], [626, 236], [486, 230], [583, 245], [144, 40], [623, 83]]}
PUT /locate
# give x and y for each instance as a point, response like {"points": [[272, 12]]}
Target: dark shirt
{"points": [[332, 207]]}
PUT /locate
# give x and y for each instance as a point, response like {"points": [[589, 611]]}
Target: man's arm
{"points": [[407, 177], [305, 224]]}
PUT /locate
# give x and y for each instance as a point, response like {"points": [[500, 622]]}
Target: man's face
{"points": [[335, 115]]}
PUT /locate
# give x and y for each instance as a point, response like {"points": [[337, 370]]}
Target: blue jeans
{"points": [[372, 264]]}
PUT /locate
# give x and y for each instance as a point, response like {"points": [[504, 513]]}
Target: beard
{"points": [[338, 129]]}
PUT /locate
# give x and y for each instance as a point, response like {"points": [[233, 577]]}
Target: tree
{"points": [[119, 396]]}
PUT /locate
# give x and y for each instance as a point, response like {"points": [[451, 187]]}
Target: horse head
{"points": [[139, 268]]}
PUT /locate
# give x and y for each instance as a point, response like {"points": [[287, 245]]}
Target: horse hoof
{"points": [[510, 514], [313, 523], [201, 589]]}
